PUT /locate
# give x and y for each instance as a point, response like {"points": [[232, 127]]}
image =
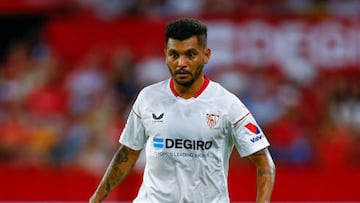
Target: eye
{"points": [[191, 54], [174, 55]]}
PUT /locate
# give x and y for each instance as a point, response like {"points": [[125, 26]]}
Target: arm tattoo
{"points": [[122, 156], [258, 156], [121, 164], [116, 174], [265, 172]]}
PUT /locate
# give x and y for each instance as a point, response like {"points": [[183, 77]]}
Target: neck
{"points": [[188, 92]]}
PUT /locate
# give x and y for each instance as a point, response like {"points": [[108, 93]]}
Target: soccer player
{"points": [[188, 126]]}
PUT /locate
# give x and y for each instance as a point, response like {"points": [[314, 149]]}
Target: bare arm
{"points": [[121, 164], [265, 174]]}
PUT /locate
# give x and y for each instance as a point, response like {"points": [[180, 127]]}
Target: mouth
{"points": [[182, 73]]}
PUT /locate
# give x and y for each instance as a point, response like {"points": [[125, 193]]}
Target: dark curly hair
{"points": [[185, 28]]}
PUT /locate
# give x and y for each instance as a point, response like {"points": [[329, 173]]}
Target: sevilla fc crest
{"points": [[212, 119]]}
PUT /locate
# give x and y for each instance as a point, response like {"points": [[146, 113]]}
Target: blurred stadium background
{"points": [[69, 71]]}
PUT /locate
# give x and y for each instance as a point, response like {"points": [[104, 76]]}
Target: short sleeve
{"points": [[133, 135], [246, 133]]}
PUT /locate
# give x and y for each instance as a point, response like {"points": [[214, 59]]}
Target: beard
{"points": [[187, 82]]}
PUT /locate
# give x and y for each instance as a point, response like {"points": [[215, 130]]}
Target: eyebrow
{"points": [[186, 51]]}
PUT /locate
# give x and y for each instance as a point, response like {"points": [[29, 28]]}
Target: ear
{"points": [[207, 54], [165, 55]]}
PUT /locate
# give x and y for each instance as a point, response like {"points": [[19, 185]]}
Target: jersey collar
{"points": [[201, 90]]}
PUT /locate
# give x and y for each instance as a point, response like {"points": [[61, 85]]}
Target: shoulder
{"points": [[216, 90], [156, 88], [154, 92], [223, 97]]}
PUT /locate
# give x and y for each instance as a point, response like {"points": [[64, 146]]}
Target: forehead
{"points": [[183, 45]]}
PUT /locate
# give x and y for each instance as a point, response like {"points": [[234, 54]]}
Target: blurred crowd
{"points": [[163, 8], [53, 112]]}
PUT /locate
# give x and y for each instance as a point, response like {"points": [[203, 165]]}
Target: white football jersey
{"points": [[188, 142]]}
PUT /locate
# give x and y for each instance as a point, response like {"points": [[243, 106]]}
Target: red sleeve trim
{"points": [[242, 118], [136, 114]]}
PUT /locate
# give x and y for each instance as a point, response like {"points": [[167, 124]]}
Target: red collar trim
{"points": [[172, 88], [201, 90]]}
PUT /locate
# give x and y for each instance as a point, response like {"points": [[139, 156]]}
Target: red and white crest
{"points": [[212, 119]]}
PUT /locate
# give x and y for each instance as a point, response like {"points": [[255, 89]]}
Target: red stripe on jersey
{"points": [[201, 90], [172, 87], [203, 87], [241, 118], [136, 114]]}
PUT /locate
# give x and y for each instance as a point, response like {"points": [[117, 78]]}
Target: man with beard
{"points": [[188, 126]]}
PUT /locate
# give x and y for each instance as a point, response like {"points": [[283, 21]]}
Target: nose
{"points": [[182, 61]]}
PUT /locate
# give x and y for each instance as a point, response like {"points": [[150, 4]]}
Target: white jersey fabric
{"points": [[188, 142]]}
